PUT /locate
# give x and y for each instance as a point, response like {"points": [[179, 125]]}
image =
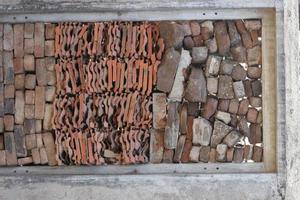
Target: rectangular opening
{"points": [[266, 65]]}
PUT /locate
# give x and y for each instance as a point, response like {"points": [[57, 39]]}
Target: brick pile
{"points": [[27, 89], [209, 105], [105, 75]]}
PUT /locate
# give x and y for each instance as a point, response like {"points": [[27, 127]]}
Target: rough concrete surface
{"points": [[284, 184]]}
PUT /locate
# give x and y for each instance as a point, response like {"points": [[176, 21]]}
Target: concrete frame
{"points": [[283, 184]]}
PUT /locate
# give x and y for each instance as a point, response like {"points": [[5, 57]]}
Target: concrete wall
{"points": [[284, 184]]}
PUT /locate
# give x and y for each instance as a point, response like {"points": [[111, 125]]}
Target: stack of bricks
{"points": [[27, 91]]}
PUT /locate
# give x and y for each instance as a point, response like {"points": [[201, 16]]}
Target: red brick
{"points": [[222, 37], [38, 126], [50, 63], [18, 65], [20, 81], [25, 161], [30, 141], [257, 154], [8, 36], [51, 77], [29, 126], [9, 91], [29, 111], [29, 96], [29, 46], [30, 81], [8, 122], [19, 106], [39, 102], [243, 108], [41, 72], [49, 48], [50, 93], [39, 140], [2, 157], [28, 30], [252, 115], [18, 40], [210, 107], [8, 67], [39, 42], [50, 148], [29, 65], [156, 146], [50, 31], [11, 156]]}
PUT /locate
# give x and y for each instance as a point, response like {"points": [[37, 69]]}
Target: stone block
{"points": [[204, 154], [50, 148], [51, 78], [213, 65], [167, 70], [254, 72], [8, 37], [212, 155], [49, 48], [196, 86], [221, 152], [18, 40], [29, 46], [39, 40], [179, 149], [176, 93], [172, 33], [19, 136], [29, 97], [50, 63], [194, 154], [199, 54], [9, 91], [159, 110], [156, 146], [18, 65], [202, 131], [172, 127], [219, 132], [29, 64], [223, 116], [225, 89], [210, 107], [19, 106], [232, 138], [223, 40], [38, 126], [29, 111], [223, 105], [212, 85], [20, 81], [41, 72], [29, 126], [238, 88], [243, 108], [28, 30], [238, 73], [30, 140], [10, 149], [227, 66], [39, 102], [39, 140]]}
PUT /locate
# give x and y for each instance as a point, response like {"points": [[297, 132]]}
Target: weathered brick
{"points": [[239, 53], [204, 154], [1, 125], [195, 28], [50, 148], [227, 66], [156, 146], [9, 106], [229, 154], [238, 155], [212, 65], [30, 81], [19, 106], [51, 78], [41, 72], [248, 89], [243, 108], [238, 73], [20, 141], [2, 157], [49, 48], [188, 43], [8, 67], [25, 161], [29, 64], [29, 46], [18, 40], [172, 127], [196, 86], [243, 127], [252, 24], [50, 31], [234, 36], [210, 107], [255, 133], [252, 115], [9, 91], [50, 93], [199, 54], [1, 142], [246, 38], [39, 102], [28, 30], [38, 126], [219, 132], [221, 152], [223, 116], [29, 97], [223, 105], [29, 126], [50, 63], [47, 125], [30, 141], [39, 40], [254, 56], [36, 156], [232, 138], [39, 140], [43, 156], [212, 155], [257, 154], [168, 155], [225, 89], [202, 131], [29, 111], [194, 154], [212, 45], [18, 65], [1, 30], [10, 148], [8, 37], [20, 81], [185, 157], [179, 148], [159, 110], [239, 90], [254, 72], [233, 106], [193, 109], [256, 87], [222, 37]]}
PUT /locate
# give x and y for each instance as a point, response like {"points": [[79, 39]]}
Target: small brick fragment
{"points": [[254, 72], [211, 45], [188, 43], [204, 154], [238, 88], [243, 127], [51, 78], [232, 138], [20, 141], [257, 154], [255, 133], [2, 157], [227, 66], [202, 131], [252, 115], [199, 54], [50, 93], [156, 146], [233, 106], [212, 155], [254, 56], [256, 87], [223, 105], [229, 154], [238, 155], [222, 37], [219, 132], [239, 53], [212, 85], [213, 65], [195, 28], [239, 73], [223, 116]]}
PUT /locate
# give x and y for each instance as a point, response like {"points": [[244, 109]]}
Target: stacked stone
{"points": [[27, 91], [210, 106], [105, 75]]}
